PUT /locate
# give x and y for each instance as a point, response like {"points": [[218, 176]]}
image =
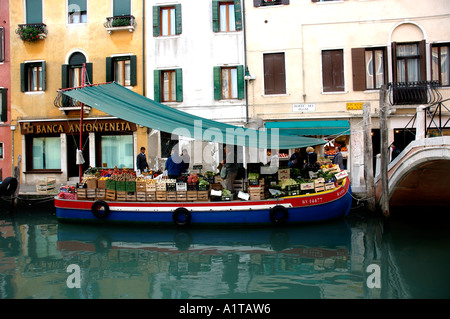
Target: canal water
{"points": [[360, 257]]}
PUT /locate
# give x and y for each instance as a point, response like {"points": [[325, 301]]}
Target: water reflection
{"points": [[327, 260]]}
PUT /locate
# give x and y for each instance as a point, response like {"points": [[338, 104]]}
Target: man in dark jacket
{"points": [[338, 158], [141, 161]]}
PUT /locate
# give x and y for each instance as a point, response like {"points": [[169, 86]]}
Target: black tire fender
{"points": [[181, 216], [100, 209], [279, 214], [8, 186]]}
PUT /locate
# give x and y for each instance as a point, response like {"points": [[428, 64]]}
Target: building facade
{"points": [[65, 44], [6, 164]]}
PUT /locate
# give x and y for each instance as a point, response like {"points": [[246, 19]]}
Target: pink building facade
{"points": [[6, 165]]}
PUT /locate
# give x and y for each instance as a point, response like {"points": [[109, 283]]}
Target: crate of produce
{"points": [[192, 186], [151, 187], [130, 186], [203, 195], [160, 186], [319, 189], [100, 193], [171, 196], [131, 196], [110, 194], [329, 185], [91, 192], [191, 195], [121, 196], [181, 187], [47, 181], [111, 184], [306, 186], [171, 187], [150, 196], [141, 186], [340, 176], [101, 183], [140, 196], [239, 185], [161, 195], [81, 193], [284, 173], [121, 186], [217, 187], [181, 196], [91, 183]]}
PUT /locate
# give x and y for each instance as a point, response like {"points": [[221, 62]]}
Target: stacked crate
{"points": [[46, 186]]}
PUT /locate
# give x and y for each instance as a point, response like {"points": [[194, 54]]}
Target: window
{"points": [[228, 82], [1, 152], [167, 20], [121, 8], [117, 150], [274, 73], [409, 61], [72, 73], [333, 70], [440, 66], [2, 44], [168, 85], [226, 16], [122, 70], [262, 3], [77, 11], [45, 153], [3, 104], [33, 11], [369, 68], [32, 76]]}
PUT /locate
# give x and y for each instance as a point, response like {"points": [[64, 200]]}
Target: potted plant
{"points": [[121, 22], [31, 33]]}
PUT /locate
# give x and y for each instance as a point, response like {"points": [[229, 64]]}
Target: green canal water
{"points": [[360, 257]]}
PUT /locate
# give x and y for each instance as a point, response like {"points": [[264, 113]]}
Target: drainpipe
{"points": [[143, 47], [246, 72]]}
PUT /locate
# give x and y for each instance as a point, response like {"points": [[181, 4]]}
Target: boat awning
{"points": [[312, 128], [116, 100]]}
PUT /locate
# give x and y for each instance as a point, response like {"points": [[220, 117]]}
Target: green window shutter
{"points": [[238, 14], [133, 70], [109, 69], [215, 15], [179, 84], [156, 21], [178, 23], [34, 11], [4, 108], [240, 81], [77, 5], [157, 85], [44, 80], [88, 75], [64, 76], [217, 83], [121, 8], [23, 77]]}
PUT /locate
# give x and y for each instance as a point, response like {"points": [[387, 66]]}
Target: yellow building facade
{"points": [[51, 41]]}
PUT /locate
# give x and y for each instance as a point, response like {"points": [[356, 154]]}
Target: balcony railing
{"points": [[120, 23], [414, 93], [32, 32], [65, 103]]}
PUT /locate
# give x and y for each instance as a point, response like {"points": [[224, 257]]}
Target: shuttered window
{"points": [[77, 11], [333, 70], [226, 16], [440, 63], [32, 76], [168, 85], [2, 44], [368, 68], [167, 20], [122, 70], [409, 61], [274, 73], [33, 11], [3, 104], [121, 8], [261, 3], [228, 82]]}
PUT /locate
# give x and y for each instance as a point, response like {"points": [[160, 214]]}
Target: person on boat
{"points": [[175, 165], [296, 160], [186, 158], [311, 159], [338, 159], [141, 161], [230, 164]]}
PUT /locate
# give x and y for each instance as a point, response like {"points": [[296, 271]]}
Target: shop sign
{"points": [[303, 108], [70, 127], [355, 106]]}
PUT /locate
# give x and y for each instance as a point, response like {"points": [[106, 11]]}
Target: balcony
{"points": [[120, 23], [67, 104], [32, 32], [414, 93]]}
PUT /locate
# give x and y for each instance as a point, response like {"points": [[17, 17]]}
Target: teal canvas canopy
{"points": [[301, 128], [118, 101]]}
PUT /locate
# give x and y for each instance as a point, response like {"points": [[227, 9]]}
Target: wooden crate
{"points": [[91, 183], [171, 196], [306, 186], [81, 193], [191, 195], [100, 193], [110, 194], [131, 196], [161, 195], [181, 187], [91, 193], [181, 196], [319, 189], [121, 196], [329, 185], [239, 185], [217, 179], [141, 196], [284, 173], [160, 186], [203, 195], [150, 196], [101, 183], [141, 186], [150, 187]]}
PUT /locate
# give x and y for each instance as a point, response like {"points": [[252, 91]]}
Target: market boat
{"points": [[325, 205]]}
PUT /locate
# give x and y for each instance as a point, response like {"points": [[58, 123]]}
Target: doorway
{"points": [[72, 146]]}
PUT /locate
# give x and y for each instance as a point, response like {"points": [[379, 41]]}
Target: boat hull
{"points": [[287, 210]]}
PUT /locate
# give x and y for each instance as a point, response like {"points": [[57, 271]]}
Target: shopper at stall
{"points": [[186, 158], [175, 165], [311, 159], [296, 160], [141, 161], [338, 159]]}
